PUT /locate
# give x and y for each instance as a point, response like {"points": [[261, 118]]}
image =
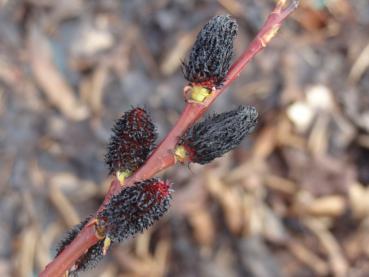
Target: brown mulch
{"points": [[292, 200]]}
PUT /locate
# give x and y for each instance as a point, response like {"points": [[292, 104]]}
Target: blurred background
{"points": [[292, 200]]}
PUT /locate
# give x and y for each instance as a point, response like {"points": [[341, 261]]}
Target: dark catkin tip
{"points": [[218, 134], [211, 54], [133, 139], [135, 208]]}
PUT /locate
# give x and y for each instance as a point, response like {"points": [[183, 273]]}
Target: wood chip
{"points": [[92, 89], [281, 184], [27, 252], [338, 263], [360, 65], [359, 200], [172, 60], [64, 206], [331, 206], [203, 227], [57, 91], [309, 258]]}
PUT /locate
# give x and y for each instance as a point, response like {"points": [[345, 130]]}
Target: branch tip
{"points": [[279, 9]]}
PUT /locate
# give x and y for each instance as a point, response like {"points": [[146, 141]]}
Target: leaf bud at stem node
{"points": [[199, 94], [122, 175], [181, 154]]}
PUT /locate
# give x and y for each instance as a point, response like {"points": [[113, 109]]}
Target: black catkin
{"points": [[133, 139], [70, 236], [90, 258], [211, 54], [135, 208], [218, 134]]}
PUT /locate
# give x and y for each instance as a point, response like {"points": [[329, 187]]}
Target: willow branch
{"points": [[163, 157]]}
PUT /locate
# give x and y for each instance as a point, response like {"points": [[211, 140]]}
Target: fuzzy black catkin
{"points": [[133, 139], [135, 208], [90, 258], [211, 54], [70, 236], [219, 133]]}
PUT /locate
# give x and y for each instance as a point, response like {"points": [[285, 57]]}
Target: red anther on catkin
{"points": [[218, 134], [135, 208], [133, 139], [211, 54]]}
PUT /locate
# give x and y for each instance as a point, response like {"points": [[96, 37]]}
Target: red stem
{"points": [[71, 253], [163, 157]]}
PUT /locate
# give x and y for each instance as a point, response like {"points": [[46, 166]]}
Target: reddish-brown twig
{"points": [[163, 156]]}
